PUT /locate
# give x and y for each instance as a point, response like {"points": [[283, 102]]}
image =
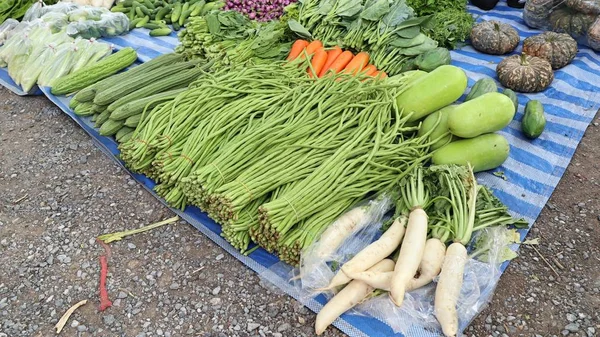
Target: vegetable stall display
{"points": [[16, 9]]}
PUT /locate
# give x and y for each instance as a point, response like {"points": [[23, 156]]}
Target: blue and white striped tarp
{"points": [[532, 170]]}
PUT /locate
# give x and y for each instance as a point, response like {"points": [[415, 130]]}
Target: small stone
{"points": [[277, 334], [174, 286], [571, 317], [216, 291], [82, 328], [283, 327], [219, 257], [108, 319], [130, 245], [253, 326], [75, 323], [122, 295], [572, 327], [215, 301]]}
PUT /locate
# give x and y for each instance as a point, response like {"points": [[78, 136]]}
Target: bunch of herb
{"points": [[449, 27]]}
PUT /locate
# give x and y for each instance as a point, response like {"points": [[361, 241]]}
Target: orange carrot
{"points": [[317, 62], [380, 74], [369, 70], [297, 48], [340, 62], [358, 63], [331, 56], [313, 47]]}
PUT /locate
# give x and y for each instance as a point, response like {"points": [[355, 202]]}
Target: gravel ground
{"points": [[58, 192]]}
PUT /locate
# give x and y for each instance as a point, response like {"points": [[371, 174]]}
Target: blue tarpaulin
{"points": [[532, 171]]}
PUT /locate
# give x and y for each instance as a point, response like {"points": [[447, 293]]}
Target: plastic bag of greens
{"points": [[87, 13], [89, 52], [60, 65], [56, 21], [34, 12], [6, 28], [40, 59], [114, 24], [38, 10]]}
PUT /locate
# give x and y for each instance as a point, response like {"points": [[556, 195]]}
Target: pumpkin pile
{"points": [[532, 71]]}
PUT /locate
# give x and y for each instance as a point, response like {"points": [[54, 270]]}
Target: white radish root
{"points": [[377, 280], [339, 230], [370, 255], [411, 253], [352, 294], [448, 288], [431, 264], [65, 317]]}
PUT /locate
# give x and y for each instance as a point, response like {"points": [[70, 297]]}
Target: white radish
{"points": [[430, 267], [370, 255], [338, 231], [352, 294], [448, 288], [431, 264], [411, 253]]}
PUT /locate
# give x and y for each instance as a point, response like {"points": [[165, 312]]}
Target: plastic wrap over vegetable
{"points": [[578, 18], [108, 24], [6, 29], [38, 10], [56, 21], [350, 233]]}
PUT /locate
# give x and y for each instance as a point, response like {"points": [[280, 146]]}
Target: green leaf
{"points": [[326, 7], [428, 44], [399, 12], [214, 27], [405, 43], [348, 8], [375, 10], [409, 32], [297, 28]]}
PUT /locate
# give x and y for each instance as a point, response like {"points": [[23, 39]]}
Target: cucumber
{"points": [[534, 120], [490, 112], [513, 96], [103, 117], [432, 91], [437, 124], [133, 121], [152, 26], [483, 86], [122, 132], [143, 22], [483, 153], [110, 127], [163, 12], [161, 31], [184, 15]]}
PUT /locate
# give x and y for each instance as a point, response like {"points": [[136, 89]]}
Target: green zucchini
{"points": [[73, 103], [437, 126], [91, 74], [534, 120], [513, 97], [110, 127], [483, 153], [133, 121], [87, 94], [483, 86], [84, 109], [139, 81], [137, 107], [103, 117], [122, 132], [487, 113], [432, 91]]}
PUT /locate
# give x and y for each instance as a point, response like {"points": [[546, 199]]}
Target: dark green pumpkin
{"points": [[525, 73], [494, 37], [567, 20], [483, 86], [558, 48], [534, 120]]}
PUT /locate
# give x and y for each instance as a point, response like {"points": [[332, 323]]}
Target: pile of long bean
{"points": [[273, 155]]}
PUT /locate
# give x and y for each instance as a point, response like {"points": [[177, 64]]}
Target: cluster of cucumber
{"points": [[156, 15]]}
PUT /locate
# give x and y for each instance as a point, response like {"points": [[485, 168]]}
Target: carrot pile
{"points": [[332, 60]]}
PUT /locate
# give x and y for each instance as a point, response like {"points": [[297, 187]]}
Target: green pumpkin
{"points": [[558, 48], [525, 73], [494, 37], [567, 20], [534, 121]]}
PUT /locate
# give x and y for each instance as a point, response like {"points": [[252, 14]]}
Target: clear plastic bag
{"points": [[6, 28], [60, 65], [37, 10], [578, 18], [56, 21], [318, 266], [89, 51], [87, 13], [109, 24]]}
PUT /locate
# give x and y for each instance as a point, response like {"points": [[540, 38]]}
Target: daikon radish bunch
{"points": [[415, 197]]}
